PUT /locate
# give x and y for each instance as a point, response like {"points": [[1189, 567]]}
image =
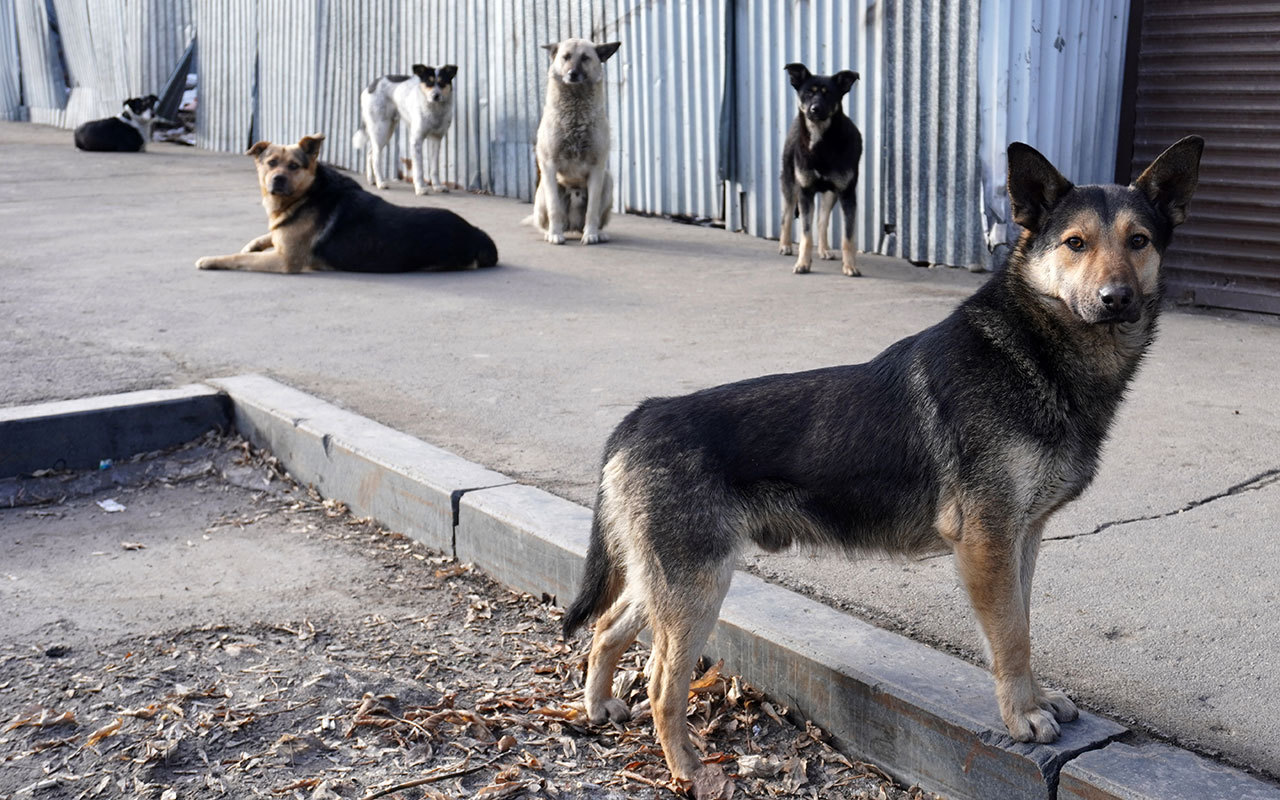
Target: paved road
{"points": [[1156, 597]]}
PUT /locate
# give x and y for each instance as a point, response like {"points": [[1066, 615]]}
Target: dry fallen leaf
{"points": [[758, 766], [110, 729], [710, 783]]}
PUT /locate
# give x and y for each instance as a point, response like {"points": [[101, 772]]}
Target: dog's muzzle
{"points": [[818, 112], [575, 76], [1120, 303], [279, 185]]}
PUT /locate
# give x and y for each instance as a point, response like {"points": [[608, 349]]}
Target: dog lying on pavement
{"points": [[127, 132], [575, 189], [821, 158], [425, 102], [322, 220], [967, 436]]}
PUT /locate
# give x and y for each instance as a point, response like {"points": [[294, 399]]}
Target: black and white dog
{"points": [[425, 101], [820, 157], [128, 132]]}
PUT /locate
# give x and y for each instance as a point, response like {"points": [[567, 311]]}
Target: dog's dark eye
{"points": [[1075, 243], [1139, 241], [293, 165], [273, 163]]}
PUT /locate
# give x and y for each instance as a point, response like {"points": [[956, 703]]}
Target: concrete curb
{"points": [[80, 434], [926, 717]]}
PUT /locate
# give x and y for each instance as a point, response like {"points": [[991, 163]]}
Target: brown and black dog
{"points": [[965, 437], [320, 219]]}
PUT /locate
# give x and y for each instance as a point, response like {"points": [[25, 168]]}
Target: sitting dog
{"points": [[575, 189], [425, 102], [127, 132], [966, 437], [322, 220], [820, 157]]}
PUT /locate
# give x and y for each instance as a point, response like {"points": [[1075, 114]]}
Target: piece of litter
{"points": [[110, 505], [104, 464], [133, 545]]}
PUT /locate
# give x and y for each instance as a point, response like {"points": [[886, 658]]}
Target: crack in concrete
{"points": [[1259, 481]]}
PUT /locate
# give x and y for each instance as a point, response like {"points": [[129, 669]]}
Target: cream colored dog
{"points": [[574, 184]]}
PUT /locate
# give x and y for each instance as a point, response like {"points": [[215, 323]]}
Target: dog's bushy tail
{"points": [[598, 582], [360, 140]]}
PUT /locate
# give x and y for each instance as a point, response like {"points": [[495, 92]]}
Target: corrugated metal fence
{"points": [[698, 100]]}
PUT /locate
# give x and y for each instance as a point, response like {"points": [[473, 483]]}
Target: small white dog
{"points": [[425, 101], [575, 188]]}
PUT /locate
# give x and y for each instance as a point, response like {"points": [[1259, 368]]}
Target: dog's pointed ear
{"points": [[799, 74], [151, 100], [447, 72], [604, 51], [257, 149], [552, 48], [311, 144], [1172, 178], [1035, 186], [845, 79], [423, 71]]}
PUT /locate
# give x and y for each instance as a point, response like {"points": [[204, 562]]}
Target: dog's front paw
{"points": [[439, 188], [801, 267], [554, 238], [420, 190], [613, 710], [786, 249], [594, 238], [850, 269], [207, 262], [381, 184], [1058, 704], [1035, 725]]}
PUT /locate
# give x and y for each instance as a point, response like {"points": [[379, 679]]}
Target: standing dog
{"points": [[967, 435], [574, 185], [128, 132], [425, 102], [820, 157], [320, 219]]}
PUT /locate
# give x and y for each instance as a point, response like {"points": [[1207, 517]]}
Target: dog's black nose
{"points": [[1116, 297], [277, 184]]}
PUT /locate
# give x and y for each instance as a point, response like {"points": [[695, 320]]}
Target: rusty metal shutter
{"points": [[1214, 69]]}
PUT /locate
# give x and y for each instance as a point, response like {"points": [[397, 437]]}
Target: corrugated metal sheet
{"points": [[1050, 75], [227, 46], [10, 85], [1215, 70], [43, 81], [112, 51]]}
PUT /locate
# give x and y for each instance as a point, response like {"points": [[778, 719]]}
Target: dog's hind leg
{"points": [[682, 618], [805, 259], [827, 202], [416, 140], [988, 559], [379, 134], [848, 208], [591, 233], [615, 630]]}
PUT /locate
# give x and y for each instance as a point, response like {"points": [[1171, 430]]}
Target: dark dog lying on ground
{"points": [[820, 158], [128, 132], [322, 220], [967, 436]]}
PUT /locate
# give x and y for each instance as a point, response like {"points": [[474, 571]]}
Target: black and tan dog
{"points": [[820, 158], [966, 436], [322, 220]]}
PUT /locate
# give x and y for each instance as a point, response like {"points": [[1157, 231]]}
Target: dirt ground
{"points": [[218, 631]]}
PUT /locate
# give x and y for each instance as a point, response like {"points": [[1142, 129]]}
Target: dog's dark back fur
{"points": [[361, 232], [864, 456]]}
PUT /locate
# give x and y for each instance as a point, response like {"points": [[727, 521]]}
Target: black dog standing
{"points": [[821, 156]]}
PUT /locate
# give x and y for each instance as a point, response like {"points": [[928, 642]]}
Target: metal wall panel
{"points": [[10, 85], [1051, 76], [43, 81], [227, 40], [1215, 71]]}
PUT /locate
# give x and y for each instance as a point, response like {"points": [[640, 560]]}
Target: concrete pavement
{"points": [[1156, 617]]}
